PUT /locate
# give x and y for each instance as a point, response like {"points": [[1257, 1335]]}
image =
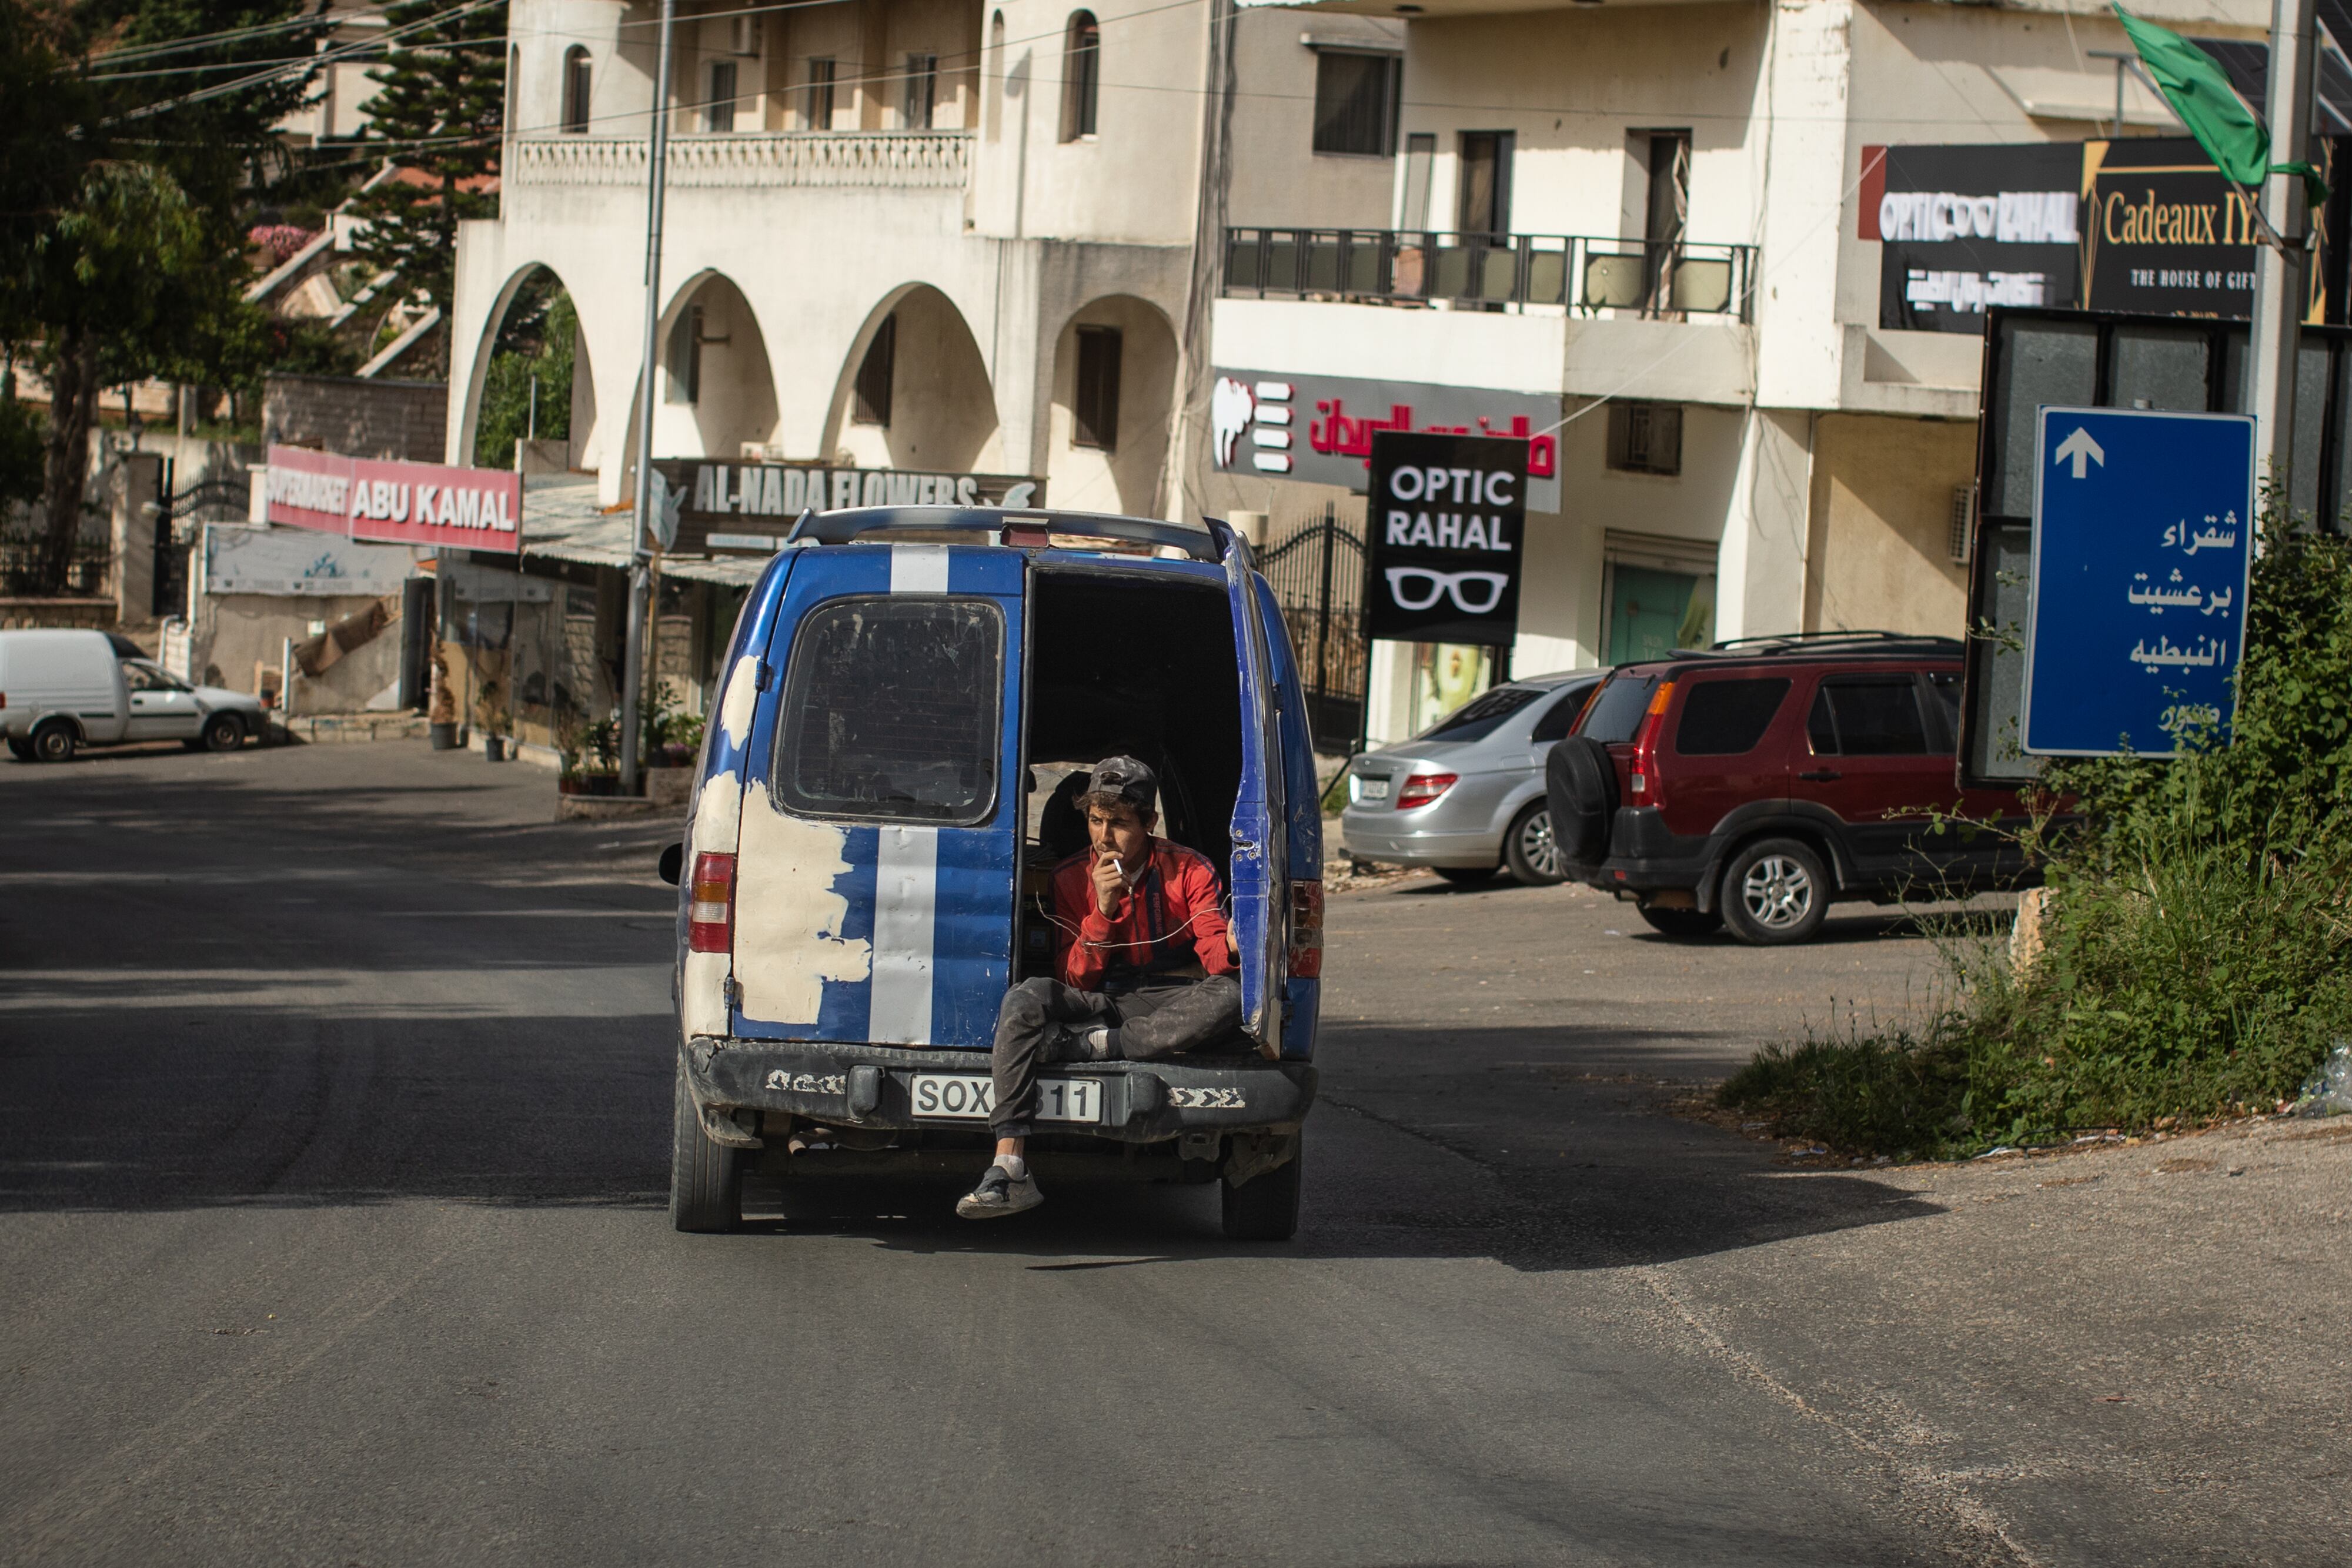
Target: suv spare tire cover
{"points": [[1581, 785]]}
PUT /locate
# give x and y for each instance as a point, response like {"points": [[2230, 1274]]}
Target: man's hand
{"points": [[1110, 885]]}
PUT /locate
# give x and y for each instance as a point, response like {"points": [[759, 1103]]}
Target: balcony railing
{"points": [[1634, 277], [902, 160]]}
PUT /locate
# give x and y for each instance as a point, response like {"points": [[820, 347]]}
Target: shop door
{"points": [[1652, 612]]}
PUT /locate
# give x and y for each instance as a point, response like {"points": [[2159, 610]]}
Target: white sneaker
{"points": [[1000, 1193]]}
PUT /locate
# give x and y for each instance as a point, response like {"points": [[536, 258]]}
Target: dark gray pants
{"points": [[1156, 1019]]}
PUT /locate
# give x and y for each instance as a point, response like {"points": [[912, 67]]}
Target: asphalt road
{"points": [[334, 1114]]}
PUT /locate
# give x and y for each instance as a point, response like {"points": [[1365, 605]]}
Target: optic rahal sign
{"points": [[1321, 428], [1445, 529], [393, 502]]}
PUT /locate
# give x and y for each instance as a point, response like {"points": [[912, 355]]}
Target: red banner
{"points": [[397, 503]]}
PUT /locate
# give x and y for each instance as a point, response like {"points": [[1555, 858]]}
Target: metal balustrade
{"points": [[1421, 268], [902, 160]]}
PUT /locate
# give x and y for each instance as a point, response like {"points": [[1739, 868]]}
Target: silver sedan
{"points": [[1466, 798]]}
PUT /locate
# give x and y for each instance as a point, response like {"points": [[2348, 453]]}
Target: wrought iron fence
{"points": [[23, 546], [1638, 277], [1316, 572]]}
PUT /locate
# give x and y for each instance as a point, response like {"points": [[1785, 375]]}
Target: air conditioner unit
{"points": [[746, 36]]}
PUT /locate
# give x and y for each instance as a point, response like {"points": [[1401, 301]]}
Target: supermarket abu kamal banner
{"points": [[396, 503]]}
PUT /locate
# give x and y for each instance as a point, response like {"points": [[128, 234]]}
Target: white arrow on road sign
{"points": [[2080, 446]]}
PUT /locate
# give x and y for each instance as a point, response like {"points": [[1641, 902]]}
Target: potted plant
{"points": [[490, 708]]}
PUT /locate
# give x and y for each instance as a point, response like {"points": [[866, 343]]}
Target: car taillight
{"points": [[1306, 930], [710, 920], [1420, 788], [1641, 787]]}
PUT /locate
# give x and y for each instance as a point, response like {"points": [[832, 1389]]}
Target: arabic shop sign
{"points": [[712, 506], [2142, 524], [2143, 225], [1445, 524], [393, 502], [1321, 428]]}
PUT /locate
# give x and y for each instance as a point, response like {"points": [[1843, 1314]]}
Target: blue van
{"points": [[868, 852]]}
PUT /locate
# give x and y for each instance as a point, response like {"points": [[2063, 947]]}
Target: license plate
{"points": [[954, 1097], [1373, 788]]}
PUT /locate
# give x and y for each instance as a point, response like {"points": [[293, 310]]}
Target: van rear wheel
{"points": [[1265, 1207], [706, 1179], [55, 741]]}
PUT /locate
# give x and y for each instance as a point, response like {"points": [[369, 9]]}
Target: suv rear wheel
{"points": [[706, 1179], [1266, 1207], [1775, 891], [1529, 849]]}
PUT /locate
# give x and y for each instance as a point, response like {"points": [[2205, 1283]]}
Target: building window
{"points": [[1356, 102], [1668, 212], [1419, 166], [718, 99], [871, 402], [819, 109], [995, 77], [922, 94], [1483, 205], [1645, 437], [1081, 76], [686, 356], [575, 91], [1095, 409]]}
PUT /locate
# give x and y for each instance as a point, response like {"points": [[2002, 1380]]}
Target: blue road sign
{"points": [[2143, 534]]}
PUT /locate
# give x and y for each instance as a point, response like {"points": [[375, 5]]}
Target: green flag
{"points": [[2199, 91]]}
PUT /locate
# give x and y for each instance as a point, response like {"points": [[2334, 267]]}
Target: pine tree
{"points": [[438, 120]]}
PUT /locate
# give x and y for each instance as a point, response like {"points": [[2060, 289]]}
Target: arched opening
{"points": [[1081, 74], [1114, 386], [576, 70], [717, 394], [994, 119], [532, 380], [915, 393]]}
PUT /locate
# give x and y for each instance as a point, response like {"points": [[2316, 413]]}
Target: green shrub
{"points": [[2197, 950]]}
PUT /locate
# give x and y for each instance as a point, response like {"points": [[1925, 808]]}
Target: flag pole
{"points": [[632, 657], [2281, 281]]}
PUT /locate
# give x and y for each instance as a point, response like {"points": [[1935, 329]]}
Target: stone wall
{"points": [[407, 420]]}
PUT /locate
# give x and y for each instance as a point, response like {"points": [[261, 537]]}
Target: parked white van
{"points": [[61, 689]]}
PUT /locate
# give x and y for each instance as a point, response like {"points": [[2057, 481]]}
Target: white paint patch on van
{"points": [[702, 994], [742, 697], [788, 919], [906, 912], [919, 569], [717, 811]]}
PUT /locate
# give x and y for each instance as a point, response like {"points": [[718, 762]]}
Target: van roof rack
{"points": [[1202, 541], [1826, 641]]}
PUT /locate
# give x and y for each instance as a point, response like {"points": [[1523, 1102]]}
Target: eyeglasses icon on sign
{"points": [[1426, 587]]}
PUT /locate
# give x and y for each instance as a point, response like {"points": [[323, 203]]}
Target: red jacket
{"points": [[1172, 907]]}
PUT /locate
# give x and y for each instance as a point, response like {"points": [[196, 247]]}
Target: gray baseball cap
{"points": [[1126, 778]]}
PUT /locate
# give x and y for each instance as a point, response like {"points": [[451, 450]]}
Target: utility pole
{"points": [[633, 658], [2282, 281]]}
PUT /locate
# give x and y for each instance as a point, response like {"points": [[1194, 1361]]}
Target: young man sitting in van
{"points": [[1146, 969]]}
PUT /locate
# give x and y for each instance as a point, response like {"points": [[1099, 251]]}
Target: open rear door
{"points": [[1261, 858]]}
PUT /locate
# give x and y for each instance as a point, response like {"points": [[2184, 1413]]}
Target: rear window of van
{"points": [[892, 710]]}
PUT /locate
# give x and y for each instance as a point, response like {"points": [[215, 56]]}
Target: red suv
{"points": [[1752, 784]]}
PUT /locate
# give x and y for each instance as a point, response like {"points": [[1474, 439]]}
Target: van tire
{"points": [[1265, 1208], [1580, 789], [706, 1179], [223, 732], [1788, 898], [54, 740], [1529, 849]]}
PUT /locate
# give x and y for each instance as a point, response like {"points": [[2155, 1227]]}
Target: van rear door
{"points": [[881, 826], [1261, 858]]}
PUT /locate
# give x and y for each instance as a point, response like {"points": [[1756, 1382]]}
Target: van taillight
{"points": [[1642, 786], [710, 920], [1423, 788], [1306, 930]]}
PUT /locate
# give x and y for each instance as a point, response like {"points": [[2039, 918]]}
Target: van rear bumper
{"points": [[872, 1085]]}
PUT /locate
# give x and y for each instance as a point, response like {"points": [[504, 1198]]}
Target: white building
{"points": [[961, 237]]}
